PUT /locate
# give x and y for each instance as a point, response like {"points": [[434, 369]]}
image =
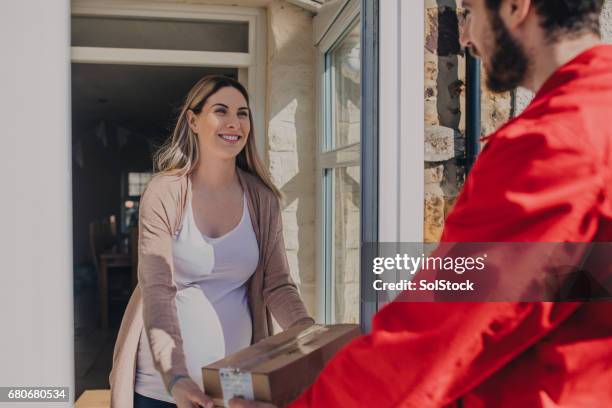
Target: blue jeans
{"points": [[140, 401]]}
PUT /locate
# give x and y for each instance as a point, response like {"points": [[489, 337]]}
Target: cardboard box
{"points": [[278, 368]]}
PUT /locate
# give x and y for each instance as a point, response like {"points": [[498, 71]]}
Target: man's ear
{"points": [[514, 12]]}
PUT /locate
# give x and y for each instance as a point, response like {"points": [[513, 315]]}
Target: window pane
{"points": [[137, 183], [346, 239], [346, 89], [223, 36]]}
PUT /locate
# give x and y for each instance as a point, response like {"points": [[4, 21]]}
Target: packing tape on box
{"points": [[236, 380], [267, 351]]}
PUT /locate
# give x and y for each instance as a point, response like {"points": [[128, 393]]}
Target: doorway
{"points": [[120, 115], [132, 66]]}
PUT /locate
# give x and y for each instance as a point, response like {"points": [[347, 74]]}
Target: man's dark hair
{"points": [[564, 17]]}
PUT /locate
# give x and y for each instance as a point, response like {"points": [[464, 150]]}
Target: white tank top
{"points": [[214, 316]]}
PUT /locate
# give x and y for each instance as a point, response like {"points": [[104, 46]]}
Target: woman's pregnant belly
{"points": [[201, 331], [203, 343], [209, 333], [235, 317]]}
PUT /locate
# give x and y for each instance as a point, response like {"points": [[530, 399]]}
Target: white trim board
{"points": [[171, 10], [401, 122], [102, 55]]}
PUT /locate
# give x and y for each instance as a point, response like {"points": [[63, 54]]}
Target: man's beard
{"points": [[509, 62]]}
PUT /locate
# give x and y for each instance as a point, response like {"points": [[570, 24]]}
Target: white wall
{"points": [[36, 346]]}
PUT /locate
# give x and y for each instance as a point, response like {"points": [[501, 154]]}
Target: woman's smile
{"points": [[230, 137]]}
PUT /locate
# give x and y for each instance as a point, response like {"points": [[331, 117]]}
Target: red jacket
{"points": [[546, 176]]}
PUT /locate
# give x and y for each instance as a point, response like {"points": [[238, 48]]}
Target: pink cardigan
{"points": [[152, 305]]}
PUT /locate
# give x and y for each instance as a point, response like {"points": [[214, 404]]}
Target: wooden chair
{"points": [[134, 254], [101, 238], [103, 243]]}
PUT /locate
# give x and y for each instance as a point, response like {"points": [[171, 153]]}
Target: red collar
{"points": [[573, 69]]}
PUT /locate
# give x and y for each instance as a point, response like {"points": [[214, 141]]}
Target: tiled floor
{"points": [[93, 346]]}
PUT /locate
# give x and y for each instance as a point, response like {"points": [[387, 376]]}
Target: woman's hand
{"points": [[187, 394]]}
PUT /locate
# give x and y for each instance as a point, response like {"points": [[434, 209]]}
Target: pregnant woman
{"points": [[211, 256]]}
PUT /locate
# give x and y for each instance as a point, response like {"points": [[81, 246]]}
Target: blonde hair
{"points": [[180, 153]]}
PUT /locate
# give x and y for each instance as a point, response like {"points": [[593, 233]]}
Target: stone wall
{"points": [[445, 113], [606, 22], [291, 135]]}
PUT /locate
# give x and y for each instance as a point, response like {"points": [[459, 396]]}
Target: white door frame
{"points": [[401, 121], [251, 65]]}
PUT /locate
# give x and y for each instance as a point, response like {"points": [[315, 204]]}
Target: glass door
{"points": [[340, 172]]}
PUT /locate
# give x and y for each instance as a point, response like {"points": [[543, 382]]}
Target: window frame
{"points": [[125, 196], [370, 171], [330, 29]]}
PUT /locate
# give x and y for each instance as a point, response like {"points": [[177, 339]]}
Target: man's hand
{"points": [[240, 403]]}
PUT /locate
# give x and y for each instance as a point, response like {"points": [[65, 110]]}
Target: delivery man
{"points": [[545, 176]]}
